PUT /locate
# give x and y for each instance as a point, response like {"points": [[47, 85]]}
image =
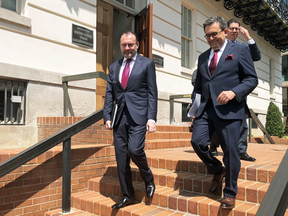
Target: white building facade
{"points": [[39, 46]]}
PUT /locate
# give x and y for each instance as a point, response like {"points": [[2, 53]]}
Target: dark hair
{"points": [[130, 32], [233, 21], [215, 19]]}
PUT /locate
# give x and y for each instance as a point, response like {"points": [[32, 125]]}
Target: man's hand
{"points": [[151, 127], [245, 33], [108, 125], [225, 97]]}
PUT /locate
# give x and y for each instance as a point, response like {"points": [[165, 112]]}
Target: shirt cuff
{"points": [[251, 41], [151, 120]]}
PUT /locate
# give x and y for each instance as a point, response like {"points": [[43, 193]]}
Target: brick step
{"points": [[165, 201], [166, 143], [168, 135], [73, 212], [184, 159], [196, 183], [99, 204]]}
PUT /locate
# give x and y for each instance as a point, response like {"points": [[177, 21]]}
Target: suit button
{"points": [[210, 81]]}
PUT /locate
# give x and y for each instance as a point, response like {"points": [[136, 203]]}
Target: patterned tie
{"points": [[213, 63], [125, 75]]}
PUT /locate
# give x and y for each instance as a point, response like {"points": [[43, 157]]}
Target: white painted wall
{"points": [[36, 47]]}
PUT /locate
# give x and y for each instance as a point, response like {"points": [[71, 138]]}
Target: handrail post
{"points": [[264, 138], [171, 110], [66, 179], [65, 92], [250, 129]]}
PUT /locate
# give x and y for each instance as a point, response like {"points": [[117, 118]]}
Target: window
{"points": [[271, 76], [128, 3], [9, 4], [186, 31], [12, 101], [285, 68]]}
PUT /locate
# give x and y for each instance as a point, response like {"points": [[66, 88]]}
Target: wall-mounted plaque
{"points": [[82, 36], [158, 60]]}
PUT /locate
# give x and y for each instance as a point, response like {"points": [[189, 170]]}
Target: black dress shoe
{"points": [[150, 189], [124, 202], [245, 156], [216, 182]]}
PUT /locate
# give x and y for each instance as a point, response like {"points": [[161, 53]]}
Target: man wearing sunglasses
{"points": [[225, 76], [233, 30]]}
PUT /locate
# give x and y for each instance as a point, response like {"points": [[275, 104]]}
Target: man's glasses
{"points": [[232, 29], [213, 35], [130, 45]]}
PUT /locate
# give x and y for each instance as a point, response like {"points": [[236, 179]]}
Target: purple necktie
{"points": [[213, 63], [125, 75]]}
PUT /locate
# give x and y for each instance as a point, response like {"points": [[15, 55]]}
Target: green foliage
{"points": [[286, 127], [274, 124]]}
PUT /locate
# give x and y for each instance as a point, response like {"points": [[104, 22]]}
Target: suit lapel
{"points": [[117, 70], [227, 51], [206, 56]]}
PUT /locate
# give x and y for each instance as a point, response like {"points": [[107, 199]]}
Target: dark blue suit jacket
{"points": [[140, 95], [237, 74]]}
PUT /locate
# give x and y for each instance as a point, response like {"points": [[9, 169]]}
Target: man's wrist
{"points": [[151, 120], [251, 41]]}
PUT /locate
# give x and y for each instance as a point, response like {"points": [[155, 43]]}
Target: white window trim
{"points": [[13, 17]]}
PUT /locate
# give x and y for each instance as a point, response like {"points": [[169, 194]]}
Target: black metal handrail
{"points": [[83, 76], [275, 201], [39, 148], [253, 115]]}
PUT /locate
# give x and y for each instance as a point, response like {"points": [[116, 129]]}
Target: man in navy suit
{"points": [[131, 84], [225, 76], [233, 29]]}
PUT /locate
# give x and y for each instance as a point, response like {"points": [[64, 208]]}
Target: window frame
{"points": [[17, 6], [186, 37]]}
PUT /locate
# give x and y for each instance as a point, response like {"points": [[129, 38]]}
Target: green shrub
{"points": [[274, 124], [286, 127]]}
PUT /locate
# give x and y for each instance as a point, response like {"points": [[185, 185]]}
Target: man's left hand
{"points": [[245, 33], [151, 127], [225, 97]]}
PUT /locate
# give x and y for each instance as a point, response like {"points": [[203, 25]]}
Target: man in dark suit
{"points": [[233, 29], [225, 76], [132, 86]]}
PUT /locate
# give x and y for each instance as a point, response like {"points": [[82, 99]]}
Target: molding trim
{"points": [[15, 18], [167, 37], [169, 6], [167, 22], [166, 54], [61, 15], [46, 39], [88, 3], [165, 72]]}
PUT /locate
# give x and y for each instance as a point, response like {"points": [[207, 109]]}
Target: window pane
{"points": [[182, 44], [185, 13], [182, 12], [182, 59], [187, 60], [185, 29], [9, 4], [189, 16], [121, 1], [130, 3], [189, 31], [187, 44], [182, 27]]}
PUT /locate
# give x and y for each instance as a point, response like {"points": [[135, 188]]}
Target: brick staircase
{"points": [[181, 181]]}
